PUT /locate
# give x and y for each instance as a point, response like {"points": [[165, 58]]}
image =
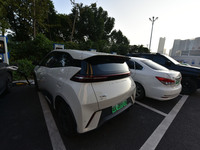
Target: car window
{"points": [[134, 65], [153, 65], [57, 59], [131, 64], [160, 59], [138, 66], [104, 65], [172, 60]]}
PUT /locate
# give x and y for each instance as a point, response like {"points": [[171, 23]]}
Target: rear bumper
{"points": [[165, 93], [107, 112], [101, 116]]}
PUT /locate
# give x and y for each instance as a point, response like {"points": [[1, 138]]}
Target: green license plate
{"points": [[119, 106], [177, 81]]}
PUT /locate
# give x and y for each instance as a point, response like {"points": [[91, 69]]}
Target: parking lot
{"points": [[27, 122]]}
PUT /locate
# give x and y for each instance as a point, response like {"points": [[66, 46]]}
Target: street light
{"points": [[153, 19]]}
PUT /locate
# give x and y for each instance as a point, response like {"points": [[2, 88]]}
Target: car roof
{"points": [[83, 54], [138, 58]]}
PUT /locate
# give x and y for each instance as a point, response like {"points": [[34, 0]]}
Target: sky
{"points": [[177, 19]]}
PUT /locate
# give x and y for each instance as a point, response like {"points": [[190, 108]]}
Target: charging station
{"points": [[58, 46], [4, 49]]}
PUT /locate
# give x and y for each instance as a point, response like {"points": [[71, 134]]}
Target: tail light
{"points": [[166, 81], [91, 78]]}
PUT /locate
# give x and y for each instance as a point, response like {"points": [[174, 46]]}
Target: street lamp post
{"points": [[153, 19]]}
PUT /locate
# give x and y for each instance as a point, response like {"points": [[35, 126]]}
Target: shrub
{"points": [[25, 69]]}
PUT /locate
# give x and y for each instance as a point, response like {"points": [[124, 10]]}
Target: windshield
{"points": [[172, 60], [153, 65]]}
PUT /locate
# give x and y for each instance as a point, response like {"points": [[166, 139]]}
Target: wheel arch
{"points": [[138, 83], [60, 103]]}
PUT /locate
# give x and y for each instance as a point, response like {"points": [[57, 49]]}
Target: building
{"points": [[189, 47], [187, 51], [161, 45]]}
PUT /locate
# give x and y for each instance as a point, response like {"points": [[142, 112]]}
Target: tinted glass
{"points": [[172, 60], [153, 65], [134, 65], [57, 59], [160, 59], [131, 64], [104, 66]]}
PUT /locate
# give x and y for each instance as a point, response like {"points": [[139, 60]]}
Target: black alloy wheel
{"points": [[140, 93], [188, 86], [9, 83], [67, 120]]}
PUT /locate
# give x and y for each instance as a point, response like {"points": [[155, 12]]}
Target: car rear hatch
{"points": [[110, 78]]}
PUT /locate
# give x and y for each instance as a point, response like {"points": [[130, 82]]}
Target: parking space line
{"points": [[55, 137], [151, 108], [159, 132]]}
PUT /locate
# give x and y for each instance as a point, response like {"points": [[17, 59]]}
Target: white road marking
{"points": [[152, 109], [55, 137], [159, 132]]}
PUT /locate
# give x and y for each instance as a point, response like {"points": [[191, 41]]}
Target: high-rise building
{"points": [[189, 47], [161, 45]]}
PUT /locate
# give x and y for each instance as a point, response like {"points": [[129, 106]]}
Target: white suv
{"points": [[86, 88]]}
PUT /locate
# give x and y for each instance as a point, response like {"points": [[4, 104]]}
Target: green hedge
{"points": [[25, 68]]}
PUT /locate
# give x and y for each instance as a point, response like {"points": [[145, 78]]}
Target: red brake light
{"points": [[166, 81], [91, 78]]}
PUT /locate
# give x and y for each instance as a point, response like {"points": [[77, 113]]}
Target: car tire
{"points": [[140, 92], [188, 86], [35, 81], [9, 83], [66, 120]]}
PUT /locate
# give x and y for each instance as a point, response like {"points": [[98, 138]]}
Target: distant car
{"points": [[153, 80], [86, 88], [190, 75], [5, 78]]}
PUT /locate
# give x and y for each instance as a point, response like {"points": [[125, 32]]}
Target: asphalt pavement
{"points": [[25, 125]]}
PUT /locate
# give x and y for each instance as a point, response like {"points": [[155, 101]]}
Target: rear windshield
{"points": [[104, 65], [153, 65]]}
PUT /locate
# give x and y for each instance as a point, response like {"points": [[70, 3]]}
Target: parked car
{"points": [[190, 74], [5, 78], [153, 80], [86, 88]]}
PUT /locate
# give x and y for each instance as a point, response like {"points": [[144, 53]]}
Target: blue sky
{"points": [[177, 19]]}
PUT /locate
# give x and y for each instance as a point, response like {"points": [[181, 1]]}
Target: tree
{"points": [[119, 42], [138, 49], [27, 17], [3, 20], [92, 23]]}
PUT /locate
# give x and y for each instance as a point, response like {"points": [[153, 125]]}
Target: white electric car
{"points": [[86, 88], [153, 80]]}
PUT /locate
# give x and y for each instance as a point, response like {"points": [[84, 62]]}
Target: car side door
{"points": [[56, 72]]}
